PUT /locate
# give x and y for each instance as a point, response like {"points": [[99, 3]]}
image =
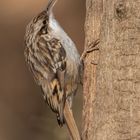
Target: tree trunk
{"points": [[111, 109]]}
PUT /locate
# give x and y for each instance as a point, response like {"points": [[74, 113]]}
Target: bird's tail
{"points": [[70, 122]]}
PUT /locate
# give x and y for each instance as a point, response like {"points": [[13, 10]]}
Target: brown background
{"points": [[23, 113]]}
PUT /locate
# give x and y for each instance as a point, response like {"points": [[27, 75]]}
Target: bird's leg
{"points": [[92, 47]]}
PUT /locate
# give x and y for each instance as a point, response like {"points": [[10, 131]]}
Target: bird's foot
{"points": [[92, 47]]}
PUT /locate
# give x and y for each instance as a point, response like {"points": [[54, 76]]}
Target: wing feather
{"points": [[47, 61]]}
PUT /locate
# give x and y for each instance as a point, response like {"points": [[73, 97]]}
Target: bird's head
{"points": [[39, 24]]}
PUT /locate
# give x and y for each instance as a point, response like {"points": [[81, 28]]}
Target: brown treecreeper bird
{"points": [[54, 61]]}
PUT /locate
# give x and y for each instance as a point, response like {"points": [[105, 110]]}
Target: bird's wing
{"points": [[52, 56], [53, 60]]}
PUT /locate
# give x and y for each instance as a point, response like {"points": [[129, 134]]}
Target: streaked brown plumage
{"points": [[53, 59]]}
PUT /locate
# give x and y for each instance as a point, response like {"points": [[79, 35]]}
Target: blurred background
{"points": [[23, 113]]}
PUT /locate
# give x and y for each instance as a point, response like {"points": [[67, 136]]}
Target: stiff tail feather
{"points": [[70, 122]]}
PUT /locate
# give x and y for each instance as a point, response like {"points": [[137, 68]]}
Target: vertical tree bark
{"points": [[112, 88], [92, 32]]}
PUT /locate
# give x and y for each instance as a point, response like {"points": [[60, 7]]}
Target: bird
{"points": [[53, 59]]}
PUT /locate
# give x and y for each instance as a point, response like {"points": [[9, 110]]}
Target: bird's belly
{"points": [[71, 77]]}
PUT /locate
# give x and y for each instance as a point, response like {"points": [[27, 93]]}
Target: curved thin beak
{"points": [[50, 5]]}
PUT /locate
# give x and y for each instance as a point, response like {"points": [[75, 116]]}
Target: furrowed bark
{"points": [[112, 90], [92, 33]]}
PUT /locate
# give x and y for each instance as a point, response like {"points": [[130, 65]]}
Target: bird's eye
{"points": [[44, 22]]}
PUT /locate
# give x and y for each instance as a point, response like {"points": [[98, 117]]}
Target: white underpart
{"points": [[68, 44]]}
